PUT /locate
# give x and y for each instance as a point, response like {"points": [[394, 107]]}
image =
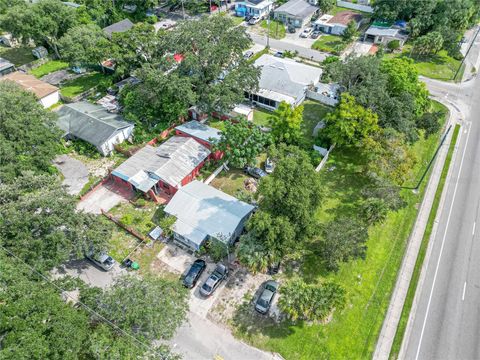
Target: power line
{"points": [[86, 307]]}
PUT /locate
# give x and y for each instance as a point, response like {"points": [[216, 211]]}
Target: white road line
{"points": [[441, 248], [464, 288], [473, 230]]}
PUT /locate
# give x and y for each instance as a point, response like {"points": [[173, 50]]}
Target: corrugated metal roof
{"points": [[381, 31], [170, 162], [297, 8], [200, 131], [89, 122], [5, 64], [202, 209]]}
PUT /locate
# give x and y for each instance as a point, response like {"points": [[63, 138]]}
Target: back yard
{"points": [[81, 84], [17, 56], [353, 331], [330, 43]]}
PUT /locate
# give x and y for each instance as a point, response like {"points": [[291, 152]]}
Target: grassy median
{"points": [[397, 342]]}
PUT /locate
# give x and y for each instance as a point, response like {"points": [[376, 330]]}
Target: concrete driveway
{"points": [[103, 198], [75, 173], [89, 273], [295, 39]]}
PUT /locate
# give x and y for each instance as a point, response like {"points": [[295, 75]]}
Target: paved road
{"points": [[288, 46], [446, 320]]}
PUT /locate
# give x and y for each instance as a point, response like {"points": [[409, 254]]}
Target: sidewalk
{"points": [[390, 323]]}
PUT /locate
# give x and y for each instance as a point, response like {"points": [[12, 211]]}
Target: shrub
{"points": [[127, 219], [393, 45], [310, 302]]}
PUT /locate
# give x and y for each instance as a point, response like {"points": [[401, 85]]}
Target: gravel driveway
{"points": [[75, 173]]}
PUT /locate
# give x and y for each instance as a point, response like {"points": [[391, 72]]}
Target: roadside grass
{"points": [[277, 29], [439, 66], [49, 67], [397, 342], [17, 56], [257, 55], [237, 20], [352, 332], [81, 84], [330, 43], [260, 117]]}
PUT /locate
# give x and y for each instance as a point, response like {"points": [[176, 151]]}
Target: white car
{"points": [[254, 20], [306, 32], [102, 260]]}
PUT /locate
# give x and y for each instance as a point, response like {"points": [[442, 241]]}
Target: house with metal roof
{"points": [[93, 124], [204, 134], [283, 79], [297, 13], [379, 33], [162, 170], [46, 94], [260, 8], [118, 27], [205, 213], [336, 24], [6, 67]]}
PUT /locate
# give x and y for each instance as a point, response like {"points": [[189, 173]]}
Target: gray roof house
{"points": [[295, 12], [164, 168], [204, 212], [6, 67], [283, 79], [205, 134], [384, 34], [118, 27], [93, 124]]}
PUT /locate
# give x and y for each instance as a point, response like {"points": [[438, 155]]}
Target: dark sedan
{"points": [[265, 299], [255, 172], [215, 278], [194, 273]]}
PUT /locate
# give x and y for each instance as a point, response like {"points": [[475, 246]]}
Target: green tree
{"points": [[343, 239], [159, 100], [84, 45], [430, 122], [350, 32], [310, 302], [253, 254], [326, 5], [213, 62], [286, 123], [29, 139], [99, 12], [150, 308], [39, 223], [428, 44], [44, 22], [393, 45], [350, 123], [241, 142]]}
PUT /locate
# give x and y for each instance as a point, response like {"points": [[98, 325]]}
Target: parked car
{"points": [[306, 32], [279, 54], [264, 301], [255, 172], [248, 54], [194, 273], [254, 20], [315, 34], [215, 278], [269, 165], [291, 29], [102, 260]]}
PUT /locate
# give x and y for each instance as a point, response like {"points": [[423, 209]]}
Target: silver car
{"points": [[215, 278], [264, 301], [102, 260], [269, 166]]}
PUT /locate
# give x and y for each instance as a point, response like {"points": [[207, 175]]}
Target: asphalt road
{"points": [[446, 323]]}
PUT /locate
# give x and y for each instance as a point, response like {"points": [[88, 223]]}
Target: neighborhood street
{"points": [[444, 319]]}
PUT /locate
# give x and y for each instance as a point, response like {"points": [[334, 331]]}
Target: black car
{"points": [[255, 172], [215, 278], [194, 273]]}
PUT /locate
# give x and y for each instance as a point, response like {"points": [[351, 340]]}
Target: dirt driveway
{"points": [[75, 173], [104, 197]]}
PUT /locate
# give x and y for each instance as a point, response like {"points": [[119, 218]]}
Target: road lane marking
{"points": [[473, 230], [464, 288], [441, 248]]}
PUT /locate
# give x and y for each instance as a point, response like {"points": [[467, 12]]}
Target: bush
{"points": [[152, 19], [393, 45], [310, 302], [127, 219]]}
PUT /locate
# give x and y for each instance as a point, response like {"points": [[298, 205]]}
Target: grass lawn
{"points": [[313, 112], [260, 117], [277, 28], [17, 56], [230, 181], [217, 124], [439, 66], [121, 243], [49, 67], [141, 218], [81, 84], [237, 20], [352, 333], [330, 43], [336, 9]]}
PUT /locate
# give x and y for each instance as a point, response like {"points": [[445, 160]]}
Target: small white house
{"points": [[336, 24], [93, 124], [47, 94], [260, 8]]}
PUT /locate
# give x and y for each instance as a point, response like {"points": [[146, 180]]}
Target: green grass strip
{"points": [[397, 341]]}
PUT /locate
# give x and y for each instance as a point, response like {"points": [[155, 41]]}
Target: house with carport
{"points": [[204, 213], [158, 172]]}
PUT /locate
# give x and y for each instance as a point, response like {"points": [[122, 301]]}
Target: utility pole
{"points": [[268, 30]]}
